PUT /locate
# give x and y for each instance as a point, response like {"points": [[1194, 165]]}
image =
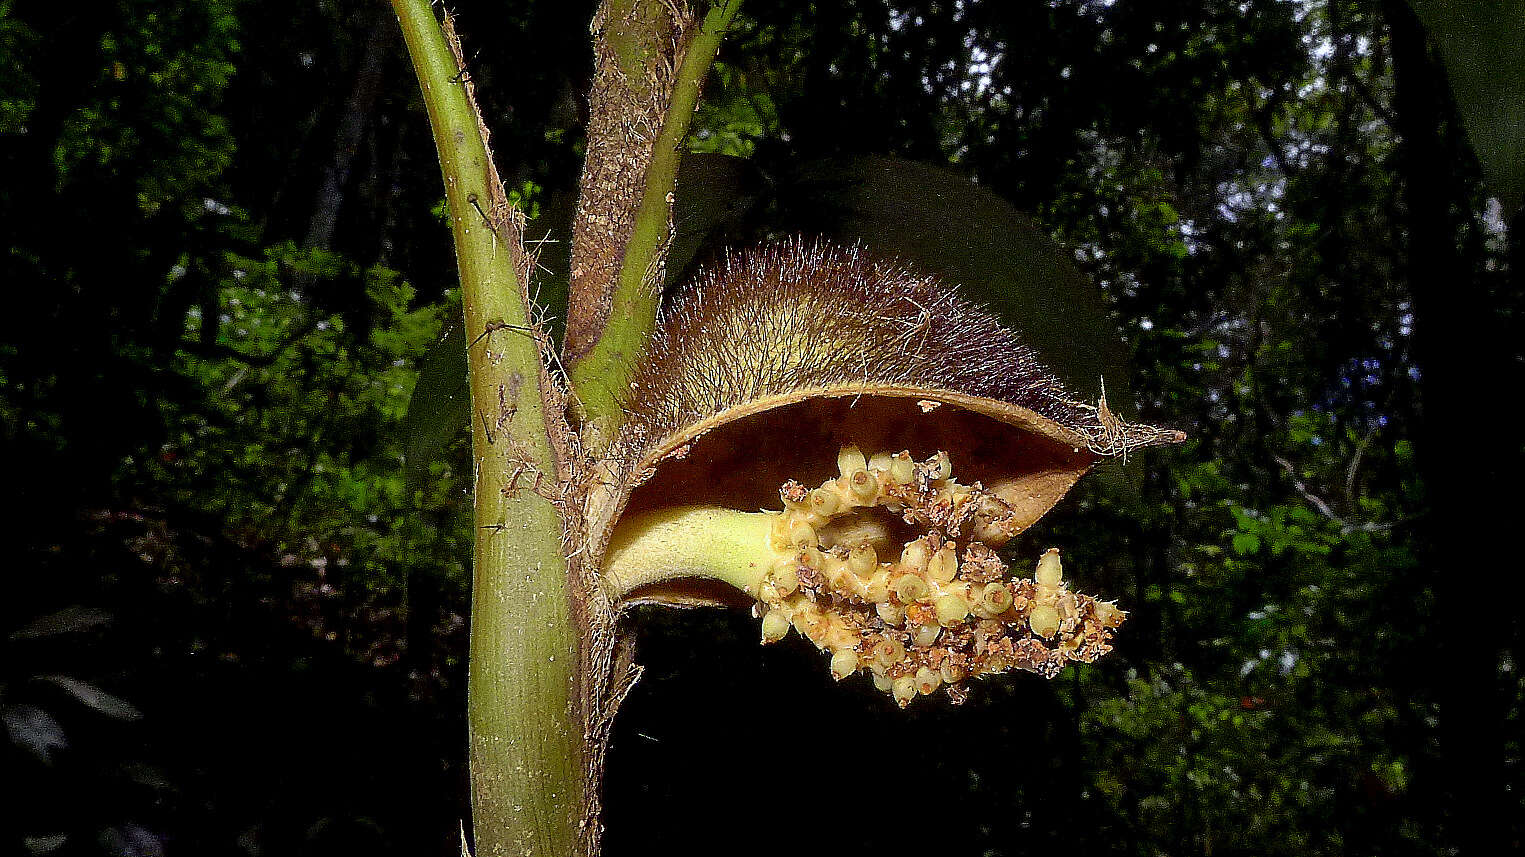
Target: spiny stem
{"points": [[526, 736]]}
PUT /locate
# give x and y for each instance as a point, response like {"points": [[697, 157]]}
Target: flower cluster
{"points": [[926, 611]]}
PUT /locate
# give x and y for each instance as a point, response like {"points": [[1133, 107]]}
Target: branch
{"points": [[1355, 464], [527, 755], [1374, 104], [357, 109], [1262, 114], [651, 60], [1322, 505]]}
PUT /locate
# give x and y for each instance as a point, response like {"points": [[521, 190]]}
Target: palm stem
{"points": [[527, 750]]}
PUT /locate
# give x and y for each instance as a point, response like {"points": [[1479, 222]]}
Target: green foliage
{"points": [[302, 441], [733, 116], [154, 99], [18, 88], [1285, 707]]}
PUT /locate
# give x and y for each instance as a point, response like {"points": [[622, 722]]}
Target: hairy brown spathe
{"points": [[791, 319]]}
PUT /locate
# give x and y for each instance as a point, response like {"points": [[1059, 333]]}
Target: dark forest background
{"points": [[235, 577]]}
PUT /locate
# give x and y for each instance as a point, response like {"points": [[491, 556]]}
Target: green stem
{"points": [[603, 370], [686, 542], [524, 713]]}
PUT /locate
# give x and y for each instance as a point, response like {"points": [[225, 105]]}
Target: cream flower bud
{"points": [[902, 469], [802, 534], [952, 609], [909, 588], [775, 626], [888, 652], [916, 555], [928, 680], [925, 635], [943, 566], [835, 572], [1050, 569], [1108, 614], [904, 689], [1044, 620], [891, 613], [850, 460], [825, 502], [785, 576], [862, 559], [811, 558], [844, 662], [863, 486], [995, 599]]}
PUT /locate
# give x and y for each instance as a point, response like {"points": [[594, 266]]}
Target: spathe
{"points": [[770, 361]]}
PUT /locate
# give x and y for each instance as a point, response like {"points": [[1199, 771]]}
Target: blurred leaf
{"points": [[1482, 44], [69, 620], [95, 698], [440, 406], [713, 190], [736, 113], [934, 219], [942, 223], [34, 730]]}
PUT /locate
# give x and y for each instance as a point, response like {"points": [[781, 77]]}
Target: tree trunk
{"points": [[1465, 367]]}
